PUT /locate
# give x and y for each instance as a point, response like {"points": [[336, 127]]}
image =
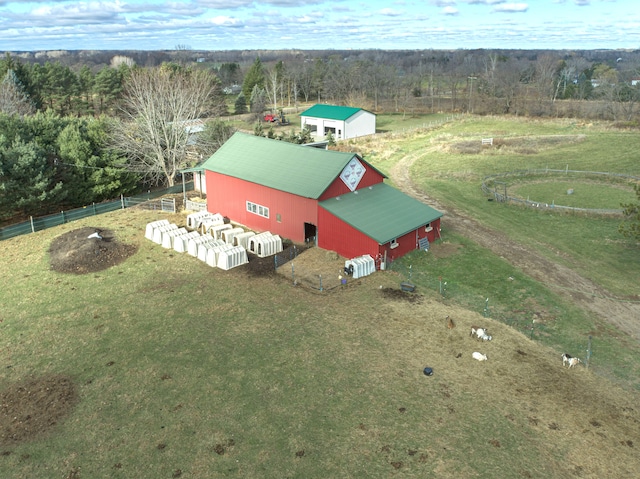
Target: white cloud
{"points": [[389, 12], [222, 20], [511, 7], [450, 11], [485, 2]]}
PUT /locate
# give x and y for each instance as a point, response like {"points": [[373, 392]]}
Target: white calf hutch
{"points": [[223, 246], [265, 244], [361, 266]]}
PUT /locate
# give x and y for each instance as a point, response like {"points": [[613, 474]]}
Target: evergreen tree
{"points": [[257, 101], [254, 78], [240, 106], [108, 88]]}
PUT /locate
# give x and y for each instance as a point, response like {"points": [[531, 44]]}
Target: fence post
{"points": [[122, 201], [320, 282], [62, 213], [486, 308], [94, 209], [293, 275], [586, 361], [533, 322], [33, 230]]}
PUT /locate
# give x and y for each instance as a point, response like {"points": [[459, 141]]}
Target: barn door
{"points": [[310, 233]]}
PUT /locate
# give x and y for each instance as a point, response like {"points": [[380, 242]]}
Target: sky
{"points": [[318, 24]]}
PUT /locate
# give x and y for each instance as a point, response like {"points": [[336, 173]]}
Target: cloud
{"points": [[511, 8], [485, 2], [450, 11], [390, 12], [232, 4]]}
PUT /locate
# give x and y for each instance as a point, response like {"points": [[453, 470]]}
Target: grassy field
{"points": [[186, 371], [181, 370], [448, 169]]}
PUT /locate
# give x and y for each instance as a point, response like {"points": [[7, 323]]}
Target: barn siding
{"points": [[336, 235], [228, 196], [337, 188]]}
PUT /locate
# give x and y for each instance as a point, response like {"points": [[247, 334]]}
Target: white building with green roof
{"points": [[343, 122]]}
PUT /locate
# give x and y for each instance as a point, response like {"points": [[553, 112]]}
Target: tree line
{"points": [[74, 133]]}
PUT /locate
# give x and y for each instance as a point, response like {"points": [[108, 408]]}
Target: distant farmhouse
{"points": [[343, 122], [332, 198]]}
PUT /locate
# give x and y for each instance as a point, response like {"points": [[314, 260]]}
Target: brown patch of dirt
{"points": [[398, 294], [444, 249], [581, 291], [74, 252], [315, 265], [32, 408]]}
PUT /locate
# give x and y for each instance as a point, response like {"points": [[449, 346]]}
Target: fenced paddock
{"points": [[496, 186], [150, 200]]}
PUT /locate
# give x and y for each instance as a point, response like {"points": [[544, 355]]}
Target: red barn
{"points": [[301, 193]]}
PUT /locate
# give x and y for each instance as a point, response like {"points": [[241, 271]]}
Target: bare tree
{"points": [[160, 107]]}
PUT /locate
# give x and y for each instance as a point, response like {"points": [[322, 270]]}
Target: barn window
{"points": [[257, 209], [278, 218], [394, 243]]}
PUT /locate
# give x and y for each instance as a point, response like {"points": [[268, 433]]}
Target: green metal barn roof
{"points": [[381, 212], [288, 167], [331, 112]]}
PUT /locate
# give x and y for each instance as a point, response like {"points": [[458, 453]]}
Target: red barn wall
{"points": [[336, 235], [337, 188], [228, 196]]}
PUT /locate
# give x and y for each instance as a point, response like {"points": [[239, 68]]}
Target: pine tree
{"points": [[254, 77]]}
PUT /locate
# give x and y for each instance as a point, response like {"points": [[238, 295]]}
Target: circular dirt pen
{"points": [[32, 408], [87, 250]]}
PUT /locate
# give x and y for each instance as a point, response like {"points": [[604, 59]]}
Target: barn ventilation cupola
{"points": [[352, 173]]}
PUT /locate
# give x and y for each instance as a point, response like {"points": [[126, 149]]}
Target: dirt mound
{"points": [[32, 408], [87, 250]]}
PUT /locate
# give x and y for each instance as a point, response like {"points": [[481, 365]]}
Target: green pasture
{"points": [[187, 371], [449, 164]]}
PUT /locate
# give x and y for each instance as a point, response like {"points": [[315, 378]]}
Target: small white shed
{"points": [[343, 122]]}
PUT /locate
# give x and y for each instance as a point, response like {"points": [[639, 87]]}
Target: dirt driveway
{"points": [[583, 292]]}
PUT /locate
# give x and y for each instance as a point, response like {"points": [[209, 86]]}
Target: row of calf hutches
{"points": [[219, 245]]}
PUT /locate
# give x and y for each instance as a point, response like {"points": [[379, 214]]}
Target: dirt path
{"points": [[583, 292]]}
